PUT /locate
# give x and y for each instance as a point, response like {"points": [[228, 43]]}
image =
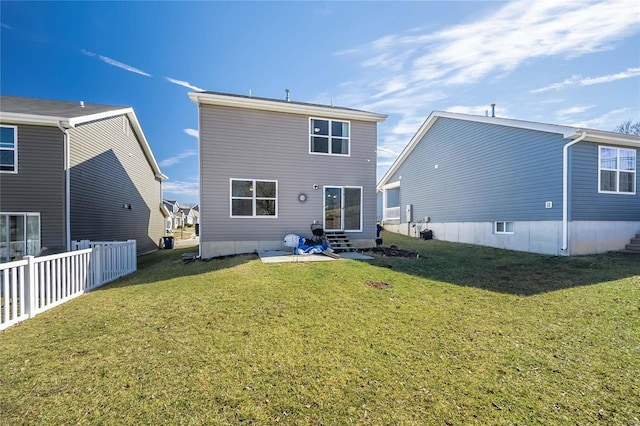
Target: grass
{"points": [[462, 335]]}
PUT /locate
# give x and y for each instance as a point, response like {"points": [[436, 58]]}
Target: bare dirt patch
{"points": [[377, 284], [393, 251]]}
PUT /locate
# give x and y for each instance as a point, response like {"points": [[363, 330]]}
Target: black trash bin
{"points": [[168, 242], [427, 234]]}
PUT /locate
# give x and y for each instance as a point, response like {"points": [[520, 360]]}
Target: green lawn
{"points": [[462, 335]]}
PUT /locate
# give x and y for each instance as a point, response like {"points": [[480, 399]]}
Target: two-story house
{"points": [[271, 167], [73, 171]]}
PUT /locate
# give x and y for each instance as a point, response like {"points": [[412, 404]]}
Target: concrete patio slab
{"points": [[277, 256]]}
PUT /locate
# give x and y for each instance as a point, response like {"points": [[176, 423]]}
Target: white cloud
{"points": [[180, 189], [608, 120], [192, 132], [184, 84], [176, 159], [115, 63], [577, 80], [564, 115], [403, 74]]}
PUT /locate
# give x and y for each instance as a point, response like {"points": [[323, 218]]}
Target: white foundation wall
{"points": [[545, 237], [590, 237]]}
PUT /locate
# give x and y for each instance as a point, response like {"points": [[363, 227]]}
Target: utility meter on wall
{"points": [[408, 213]]}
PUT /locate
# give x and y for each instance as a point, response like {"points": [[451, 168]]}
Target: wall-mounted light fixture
{"points": [[126, 206]]}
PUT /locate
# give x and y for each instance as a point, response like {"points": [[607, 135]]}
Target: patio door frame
{"points": [[342, 207]]}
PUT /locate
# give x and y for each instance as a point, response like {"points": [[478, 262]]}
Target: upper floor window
{"points": [[329, 137], [617, 170], [254, 198], [8, 149]]}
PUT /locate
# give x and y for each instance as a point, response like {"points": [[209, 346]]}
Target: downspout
{"points": [[565, 191], [200, 179], [67, 186]]}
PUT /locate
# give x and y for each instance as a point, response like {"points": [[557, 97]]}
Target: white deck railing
{"points": [[36, 284]]}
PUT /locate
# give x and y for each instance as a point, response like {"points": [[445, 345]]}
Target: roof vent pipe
{"points": [[493, 110], [288, 98], [81, 104]]}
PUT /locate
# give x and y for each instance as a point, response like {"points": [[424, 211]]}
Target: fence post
{"points": [[131, 255], [96, 253], [30, 286]]}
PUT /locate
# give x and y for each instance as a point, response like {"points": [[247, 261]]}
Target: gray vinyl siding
{"points": [[38, 187], [251, 144], [485, 173], [586, 203], [109, 169]]}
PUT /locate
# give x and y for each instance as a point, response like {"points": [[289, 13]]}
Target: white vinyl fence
{"points": [[36, 284]]}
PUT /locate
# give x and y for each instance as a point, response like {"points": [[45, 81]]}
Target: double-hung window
{"points": [[254, 198], [617, 170], [8, 149], [329, 137]]}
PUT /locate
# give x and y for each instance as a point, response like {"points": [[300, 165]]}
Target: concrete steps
{"points": [[634, 246]]}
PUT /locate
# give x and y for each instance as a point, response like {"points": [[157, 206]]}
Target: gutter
{"points": [[67, 185], [565, 191]]}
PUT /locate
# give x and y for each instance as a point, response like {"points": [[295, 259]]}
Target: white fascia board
{"points": [[286, 107], [38, 120], [391, 185], [612, 138], [73, 122], [426, 125], [145, 144], [565, 131], [130, 113]]}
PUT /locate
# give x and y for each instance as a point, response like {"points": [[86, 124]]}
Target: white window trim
{"points": [[392, 185], [505, 232], [25, 214], [15, 150], [253, 216], [342, 188], [329, 147], [617, 170]]}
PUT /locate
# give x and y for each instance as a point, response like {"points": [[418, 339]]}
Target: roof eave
{"points": [[292, 108], [47, 120], [609, 137], [33, 119]]}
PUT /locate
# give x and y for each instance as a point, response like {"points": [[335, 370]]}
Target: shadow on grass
{"points": [[486, 268], [163, 265], [505, 271]]}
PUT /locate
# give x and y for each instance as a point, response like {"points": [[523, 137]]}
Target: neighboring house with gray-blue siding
{"points": [[516, 185], [270, 167], [73, 171]]}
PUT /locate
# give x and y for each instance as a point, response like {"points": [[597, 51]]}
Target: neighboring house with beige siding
{"points": [[271, 167], [72, 171]]}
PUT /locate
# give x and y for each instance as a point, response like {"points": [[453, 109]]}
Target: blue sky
{"points": [[574, 63]]}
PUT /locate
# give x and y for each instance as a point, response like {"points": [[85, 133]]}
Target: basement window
{"points": [[502, 227]]}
